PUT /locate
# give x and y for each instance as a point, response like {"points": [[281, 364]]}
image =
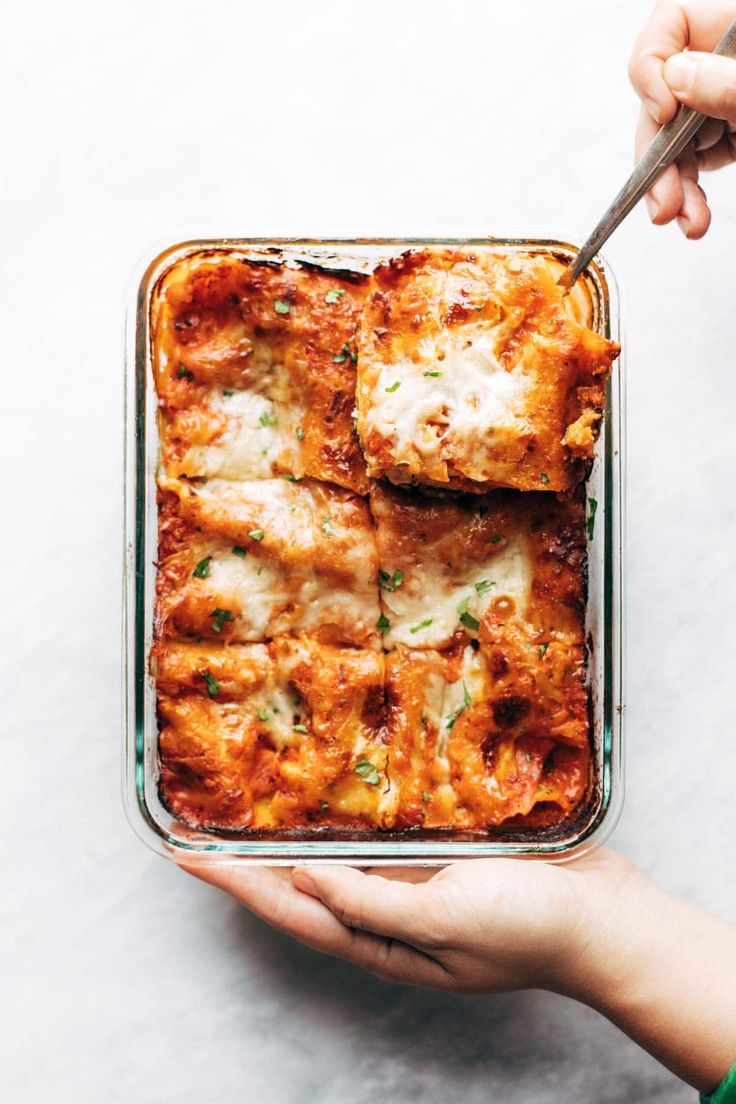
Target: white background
{"points": [[127, 126]]}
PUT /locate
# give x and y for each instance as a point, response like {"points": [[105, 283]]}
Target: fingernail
{"points": [[652, 108], [652, 207], [679, 72], [304, 881], [684, 225]]}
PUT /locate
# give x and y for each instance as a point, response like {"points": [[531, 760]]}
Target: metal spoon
{"points": [[668, 144]]}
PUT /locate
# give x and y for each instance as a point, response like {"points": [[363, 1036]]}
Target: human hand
{"points": [[596, 930], [672, 64], [483, 925]]}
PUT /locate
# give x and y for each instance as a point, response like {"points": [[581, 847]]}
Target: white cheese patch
{"points": [[272, 708], [455, 413], [260, 438], [432, 591]]}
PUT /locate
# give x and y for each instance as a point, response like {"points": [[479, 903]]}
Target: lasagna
{"points": [[334, 652], [475, 372]]}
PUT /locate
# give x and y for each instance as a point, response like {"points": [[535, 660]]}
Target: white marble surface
{"points": [[122, 979]]}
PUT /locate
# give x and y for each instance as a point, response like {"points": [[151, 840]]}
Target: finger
{"points": [[718, 156], [694, 217], [364, 901], [665, 33], [709, 134], [414, 874], [706, 82], [664, 199], [270, 894]]}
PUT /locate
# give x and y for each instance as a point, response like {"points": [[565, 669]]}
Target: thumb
{"points": [[706, 82]]}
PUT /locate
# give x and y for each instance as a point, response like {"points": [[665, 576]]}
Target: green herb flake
{"points": [[256, 534], [467, 618], [433, 373], [299, 433], [343, 355], [390, 582], [482, 586], [543, 650], [267, 419], [590, 520], [383, 624], [300, 728], [426, 797], [228, 394], [353, 358], [450, 721], [183, 372], [323, 805], [496, 538], [220, 616], [527, 756], [281, 306], [262, 714], [327, 526], [422, 625], [213, 686], [394, 386], [543, 477], [202, 570], [334, 295], [238, 550], [367, 771]]}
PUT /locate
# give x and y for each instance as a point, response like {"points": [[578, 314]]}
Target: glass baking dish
{"points": [[578, 834]]}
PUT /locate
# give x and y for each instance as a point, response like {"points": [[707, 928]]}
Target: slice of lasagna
{"points": [[277, 736], [475, 372], [255, 369], [250, 560]]}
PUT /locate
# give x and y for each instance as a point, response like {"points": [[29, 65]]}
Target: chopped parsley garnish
{"points": [[228, 393], [343, 355], [289, 478], [390, 582], [220, 617], [394, 386], [367, 771], [431, 372], [542, 650], [299, 433], [238, 550], [334, 295], [467, 618], [267, 419], [590, 521], [262, 714], [281, 306], [484, 585], [527, 756], [183, 372], [202, 570], [353, 358], [213, 686], [543, 477], [480, 308], [450, 721], [383, 624], [323, 805], [327, 526], [300, 728], [426, 797], [256, 534], [496, 538], [422, 625]]}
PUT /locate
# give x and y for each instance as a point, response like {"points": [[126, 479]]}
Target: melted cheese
{"points": [[474, 398], [259, 440], [432, 591]]}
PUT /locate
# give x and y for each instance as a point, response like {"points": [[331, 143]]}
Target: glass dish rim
{"points": [[396, 850]]}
